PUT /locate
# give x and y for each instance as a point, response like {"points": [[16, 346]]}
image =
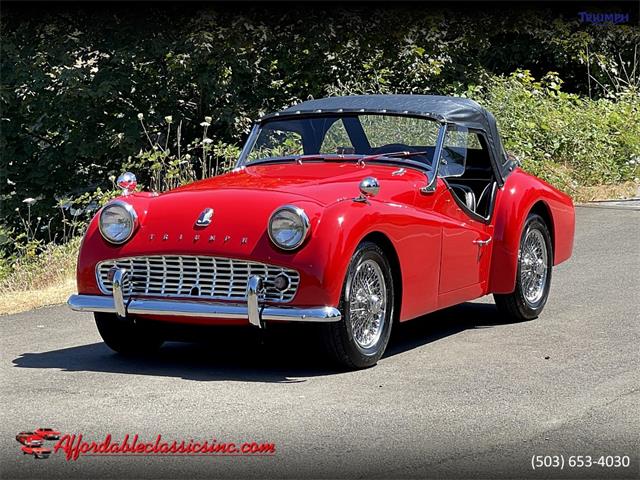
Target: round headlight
{"points": [[288, 227], [118, 221]]}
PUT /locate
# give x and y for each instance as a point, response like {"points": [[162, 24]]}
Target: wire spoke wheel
{"points": [[367, 304], [533, 266]]}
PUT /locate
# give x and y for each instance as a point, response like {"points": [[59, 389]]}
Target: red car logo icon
{"points": [[37, 452], [48, 433], [30, 439], [32, 442]]}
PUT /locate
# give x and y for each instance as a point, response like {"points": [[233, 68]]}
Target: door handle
{"points": [[482, 243]]}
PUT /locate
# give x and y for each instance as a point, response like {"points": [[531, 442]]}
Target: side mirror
{"points": [[369, 187]]}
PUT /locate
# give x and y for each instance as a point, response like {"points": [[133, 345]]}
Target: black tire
{"points": [[127, 336], [515, 305], [338, 338]]}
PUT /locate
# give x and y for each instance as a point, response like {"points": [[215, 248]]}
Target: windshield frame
{"points": [[258, 125]]}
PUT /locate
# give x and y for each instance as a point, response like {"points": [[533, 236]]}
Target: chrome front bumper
{"points": [[252, 310]]}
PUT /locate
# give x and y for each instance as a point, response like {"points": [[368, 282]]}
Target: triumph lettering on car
{"points": [[352, 213]]}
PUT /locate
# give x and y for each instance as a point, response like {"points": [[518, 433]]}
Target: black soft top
{"points": [[451, 110]]}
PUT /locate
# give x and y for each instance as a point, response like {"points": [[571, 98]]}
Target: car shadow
{"points": [[280, 355], [444, 323]]}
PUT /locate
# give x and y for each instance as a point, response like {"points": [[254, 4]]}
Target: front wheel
{"points": [[533, 280], [367, 306], [126, 336]]}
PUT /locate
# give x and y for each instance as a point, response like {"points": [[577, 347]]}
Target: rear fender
{"points": [[522, 194]]}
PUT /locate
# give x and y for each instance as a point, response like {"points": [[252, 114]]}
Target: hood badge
{"points": [[205, 217], [203, 220], [196, 237]]}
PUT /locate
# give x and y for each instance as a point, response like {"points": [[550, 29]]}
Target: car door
{"points": [[466, 238], [466, 250]]}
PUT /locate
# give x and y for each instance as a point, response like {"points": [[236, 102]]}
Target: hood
{"points": [[243, 200], [249, 195], [323, 183]]}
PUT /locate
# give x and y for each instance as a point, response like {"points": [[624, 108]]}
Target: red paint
{"points": [[515, 200], [37, 452], [431, 235], [48, 433], [30, 439]]}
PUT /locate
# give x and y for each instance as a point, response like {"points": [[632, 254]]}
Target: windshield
{"points": [[370, 137]]}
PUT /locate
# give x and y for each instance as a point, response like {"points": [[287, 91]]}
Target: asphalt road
{"points": [[459, 394]]}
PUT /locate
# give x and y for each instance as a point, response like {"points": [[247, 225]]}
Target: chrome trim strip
{"points": [[202, 308]]}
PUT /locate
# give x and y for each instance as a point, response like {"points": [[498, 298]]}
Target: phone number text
{"points": [[579, 461]]}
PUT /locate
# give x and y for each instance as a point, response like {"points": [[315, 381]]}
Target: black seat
{"points": [[466, 194]]}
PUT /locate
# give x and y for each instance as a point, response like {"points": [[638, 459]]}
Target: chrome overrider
{"points": [[253, 310]]}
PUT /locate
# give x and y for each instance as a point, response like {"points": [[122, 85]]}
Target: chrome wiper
{"points": [[320, 156], [300, 158], [329, 157], [403, 154]]}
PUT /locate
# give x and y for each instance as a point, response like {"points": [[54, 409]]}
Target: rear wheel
{"points": [[533, 280], [367, 306], [127, 336]]}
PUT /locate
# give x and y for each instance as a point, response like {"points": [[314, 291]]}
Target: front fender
{"points": [[416, 239]]}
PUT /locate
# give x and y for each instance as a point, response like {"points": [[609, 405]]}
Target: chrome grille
{"points": [[196, 277]]}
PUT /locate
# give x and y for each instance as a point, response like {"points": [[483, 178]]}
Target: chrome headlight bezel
{"points": [[132, 217], [300, 216]]}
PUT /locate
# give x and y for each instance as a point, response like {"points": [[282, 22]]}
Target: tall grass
{"points": [[53, 264]]}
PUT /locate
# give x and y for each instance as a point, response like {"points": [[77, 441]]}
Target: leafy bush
{"points": [[566, 139]]}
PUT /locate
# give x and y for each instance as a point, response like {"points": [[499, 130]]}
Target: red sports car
{"points": [[349, 212], [48, 433], [30, 439], [37, 452]]}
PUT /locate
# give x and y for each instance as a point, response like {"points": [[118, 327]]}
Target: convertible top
{"points": [[451, 110]]}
